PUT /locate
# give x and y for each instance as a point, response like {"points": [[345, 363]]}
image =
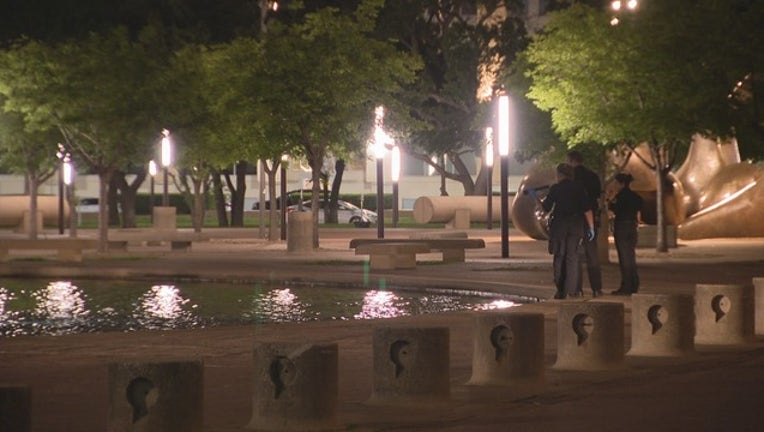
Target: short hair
{"points": [[575, 156], [565, 170], [624, 178]]}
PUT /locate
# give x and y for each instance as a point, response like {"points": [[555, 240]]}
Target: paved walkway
{"points": [[720, 390]]}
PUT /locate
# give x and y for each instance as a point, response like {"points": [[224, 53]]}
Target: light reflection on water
{"points": [[29, 307]]}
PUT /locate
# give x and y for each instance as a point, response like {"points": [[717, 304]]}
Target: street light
{"points": [[62, 156], [380, 139], [504, 137], [489, 176], [69, 182], [152, 173], [396, 173], [166, 161]]}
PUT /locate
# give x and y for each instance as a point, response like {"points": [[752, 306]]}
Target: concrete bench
{"points": [[392, 255], [453, 249], [69, 249]]}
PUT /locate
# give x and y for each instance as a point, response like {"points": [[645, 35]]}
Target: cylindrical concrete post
{"points": [[300, 232], [156, 397], [15, 409], [411, 364], [164, 218], [590, 336], [723, 314], [758, 285], [295, 387], [662, 325], [509, 347]]}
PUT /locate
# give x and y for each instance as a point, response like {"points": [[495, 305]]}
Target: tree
{"points": [[28, 152], [661, 75], [463, 44], [321, 79], [97, 92]]}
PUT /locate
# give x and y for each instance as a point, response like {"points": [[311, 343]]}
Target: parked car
{"points": [[292, 198], [346, 213], [87, 205]]}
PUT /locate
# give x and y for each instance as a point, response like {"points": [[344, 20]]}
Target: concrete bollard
{"points": [[461, 219], [411, 364], [590, 336], [662, 325], [295, 388], [300, 232], [758, 309], [164, 218], [509, 347], [723, 314], [15, 409], [156, 397]]}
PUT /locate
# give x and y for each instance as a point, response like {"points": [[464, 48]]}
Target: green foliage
{"points": [[661, 75]]}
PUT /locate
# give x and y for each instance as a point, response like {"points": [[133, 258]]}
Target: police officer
{"points": [[626, 206], [569, 215], [591, 183]]}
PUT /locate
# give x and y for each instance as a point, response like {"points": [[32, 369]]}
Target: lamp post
{"points": [[504, 136], [396, 174], [380, 138], [166, 161], [152, 173], [489, 176], [283, 199], [62, 155], [69, 182]]}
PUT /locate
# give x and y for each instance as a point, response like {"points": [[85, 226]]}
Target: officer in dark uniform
{"points": [[569, 215], [591, 183], [626, 206]]}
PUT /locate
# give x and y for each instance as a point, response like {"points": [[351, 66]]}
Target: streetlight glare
{"points": [[152, 168], [68, 172], [396, 163], [614, 22], [632, 4], [616, 5], [166, 149], [504, 125]]}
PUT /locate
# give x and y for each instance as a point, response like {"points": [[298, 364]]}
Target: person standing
{"points": [[568, 209], [591, 183], [626, 206]]}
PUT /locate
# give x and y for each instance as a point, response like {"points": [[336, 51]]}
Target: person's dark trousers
{"points": [[589, 249], [566, 237], [625, 233]]}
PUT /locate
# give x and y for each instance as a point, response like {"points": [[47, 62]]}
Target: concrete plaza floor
{"points": [[716, 390]]}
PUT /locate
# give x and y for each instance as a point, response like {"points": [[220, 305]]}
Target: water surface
{"points": [[34, 307]]}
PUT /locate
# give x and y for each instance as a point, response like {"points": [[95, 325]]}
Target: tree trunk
{"points": [[113, 198], [217, 190], [237, 194], [104, 176], [274, 234], [198, 209], [334, 195], [128, 196], [33, 216]]}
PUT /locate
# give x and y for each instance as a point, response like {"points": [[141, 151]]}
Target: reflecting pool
{"points": [[34, 307]]}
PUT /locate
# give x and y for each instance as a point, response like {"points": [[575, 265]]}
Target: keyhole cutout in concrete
{"points": [[400, 355], [721, 305], [501, 340], [657, 315], [582, 326], [141, 395], [282, 373]]}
